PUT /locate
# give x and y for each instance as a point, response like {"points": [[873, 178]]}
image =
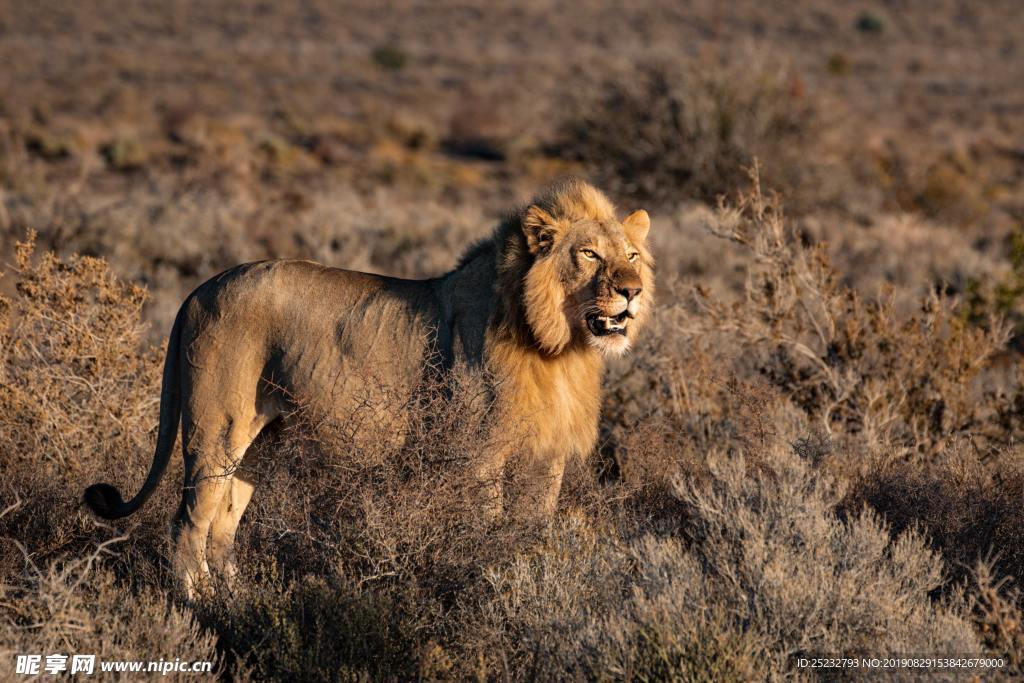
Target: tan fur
{"points": [[560, 284]]}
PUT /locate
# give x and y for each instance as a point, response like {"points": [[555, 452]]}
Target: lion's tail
{"points": [[104, 499]]}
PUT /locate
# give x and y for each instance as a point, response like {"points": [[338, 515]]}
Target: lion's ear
{"points": [[636, 225], [540, 229]]}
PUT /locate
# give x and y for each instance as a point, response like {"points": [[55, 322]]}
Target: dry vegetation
{"points": [[814, 450]]}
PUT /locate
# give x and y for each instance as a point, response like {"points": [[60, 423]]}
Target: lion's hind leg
{"points": [[225, 523], [214, 496], [207, 480]]}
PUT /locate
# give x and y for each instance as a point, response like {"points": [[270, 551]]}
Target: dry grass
{"points": [[78, 606]]}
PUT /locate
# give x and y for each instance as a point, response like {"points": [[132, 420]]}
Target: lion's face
{"points": [[596, 276]]}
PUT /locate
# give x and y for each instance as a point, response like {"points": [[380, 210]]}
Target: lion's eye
{"points": [[589, 253], [634, 256]]}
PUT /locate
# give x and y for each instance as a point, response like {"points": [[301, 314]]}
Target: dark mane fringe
{"points": [[567, 198]]}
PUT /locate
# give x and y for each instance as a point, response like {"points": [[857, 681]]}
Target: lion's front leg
{"points": [[539, 486], [489, 488]]}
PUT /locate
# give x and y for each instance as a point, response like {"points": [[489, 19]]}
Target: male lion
{"points": [[560, 284]]}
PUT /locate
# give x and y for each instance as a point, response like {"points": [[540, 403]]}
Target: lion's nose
{"points": [[630, 292]]}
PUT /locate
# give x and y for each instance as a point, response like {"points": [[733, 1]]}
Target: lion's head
{"points": [[586, 277]]}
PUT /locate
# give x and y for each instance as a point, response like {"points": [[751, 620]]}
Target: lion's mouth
{"points": [[604, 325]]}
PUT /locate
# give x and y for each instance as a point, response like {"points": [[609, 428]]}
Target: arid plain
{"points": [[812, 451]]}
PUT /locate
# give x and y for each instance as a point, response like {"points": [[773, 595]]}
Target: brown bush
{"points": [[998, 616], [78, 400], [74, 377], [666, 133]]}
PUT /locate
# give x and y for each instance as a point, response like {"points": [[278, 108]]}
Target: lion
{"points": [[560, 285]]}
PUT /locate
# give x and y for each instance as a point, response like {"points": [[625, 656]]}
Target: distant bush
{"points": [[390, 57], [945, 183], [125, 154], [869, 22], [667, 133]]}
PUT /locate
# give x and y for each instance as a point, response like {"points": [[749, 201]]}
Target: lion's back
{"points": [[324, 336]]}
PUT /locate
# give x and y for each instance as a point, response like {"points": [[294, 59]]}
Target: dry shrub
{"points": [[318, 628], [998, 616], [78, 401], [946, 182], [763, 571], [968, 502], [908, 407], [569, 610], [665, 132], [856, 366], [74, 605], [74, 379], [402, 497], [78, 398], [775, 555]]}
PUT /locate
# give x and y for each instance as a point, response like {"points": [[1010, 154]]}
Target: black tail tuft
{"points": [[105, 501]]}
